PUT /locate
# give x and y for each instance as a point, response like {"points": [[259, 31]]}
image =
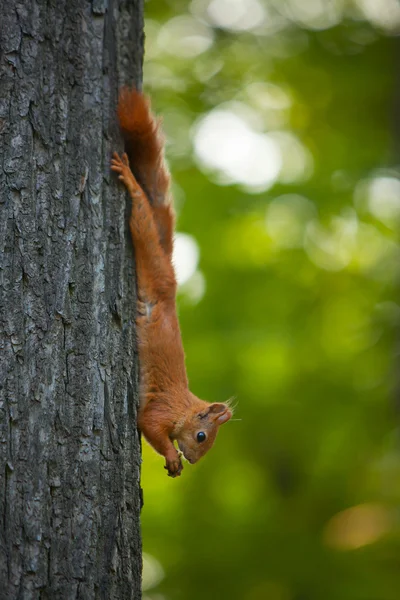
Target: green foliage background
{"points": [[298, 318]]}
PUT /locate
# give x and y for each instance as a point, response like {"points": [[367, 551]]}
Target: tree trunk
{"points": [[69, 447]]}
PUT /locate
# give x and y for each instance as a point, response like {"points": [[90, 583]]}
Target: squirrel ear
{"points": [[220, 412]]}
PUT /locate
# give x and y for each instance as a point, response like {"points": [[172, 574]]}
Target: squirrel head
{"points": [[200, 429]]}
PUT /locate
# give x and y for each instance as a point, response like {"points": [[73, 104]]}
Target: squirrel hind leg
{"points": [[144, 144]]}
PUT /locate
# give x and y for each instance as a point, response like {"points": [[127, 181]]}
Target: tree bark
{"points": [[69, 447]]}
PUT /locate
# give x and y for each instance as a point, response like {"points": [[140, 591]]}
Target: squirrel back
{"points": [[144, 145]]}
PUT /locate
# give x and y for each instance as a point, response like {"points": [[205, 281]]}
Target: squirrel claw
{"points": [[119, 162], [120, 165], [174, 467]]}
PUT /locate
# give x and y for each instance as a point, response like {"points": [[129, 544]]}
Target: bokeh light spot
{"points": [[286, 219], [331, 247], [153, 572], [381, 197], [185, 257], [358, 526], [384, 14], [314, 14], [237, 15], [297, 161], [185, 37], [223, 141]]}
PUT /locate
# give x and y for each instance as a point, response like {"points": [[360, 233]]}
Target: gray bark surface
{"points": [[69, 447]]}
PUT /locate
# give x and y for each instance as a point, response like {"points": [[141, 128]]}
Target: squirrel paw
{"points": [[121, 166], [174, 466]]}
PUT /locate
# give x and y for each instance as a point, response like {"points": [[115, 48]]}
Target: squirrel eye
{"points": [[201, 436]]}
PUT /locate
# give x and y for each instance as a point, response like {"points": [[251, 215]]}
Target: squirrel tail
{"points": [[144, 145]]}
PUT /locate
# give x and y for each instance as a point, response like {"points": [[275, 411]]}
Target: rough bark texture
{"points": [[69, 448]]}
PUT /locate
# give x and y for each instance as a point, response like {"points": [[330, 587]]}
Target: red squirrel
{"points": [[168, 410]]}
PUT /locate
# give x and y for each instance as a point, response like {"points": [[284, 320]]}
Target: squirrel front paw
{"points": [[174, 466]]}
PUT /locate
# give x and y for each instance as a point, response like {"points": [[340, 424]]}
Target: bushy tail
{"points": [[144, 145]]}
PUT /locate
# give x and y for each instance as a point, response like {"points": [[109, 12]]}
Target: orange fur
{"points": [[144, 145], [168, 410]]}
